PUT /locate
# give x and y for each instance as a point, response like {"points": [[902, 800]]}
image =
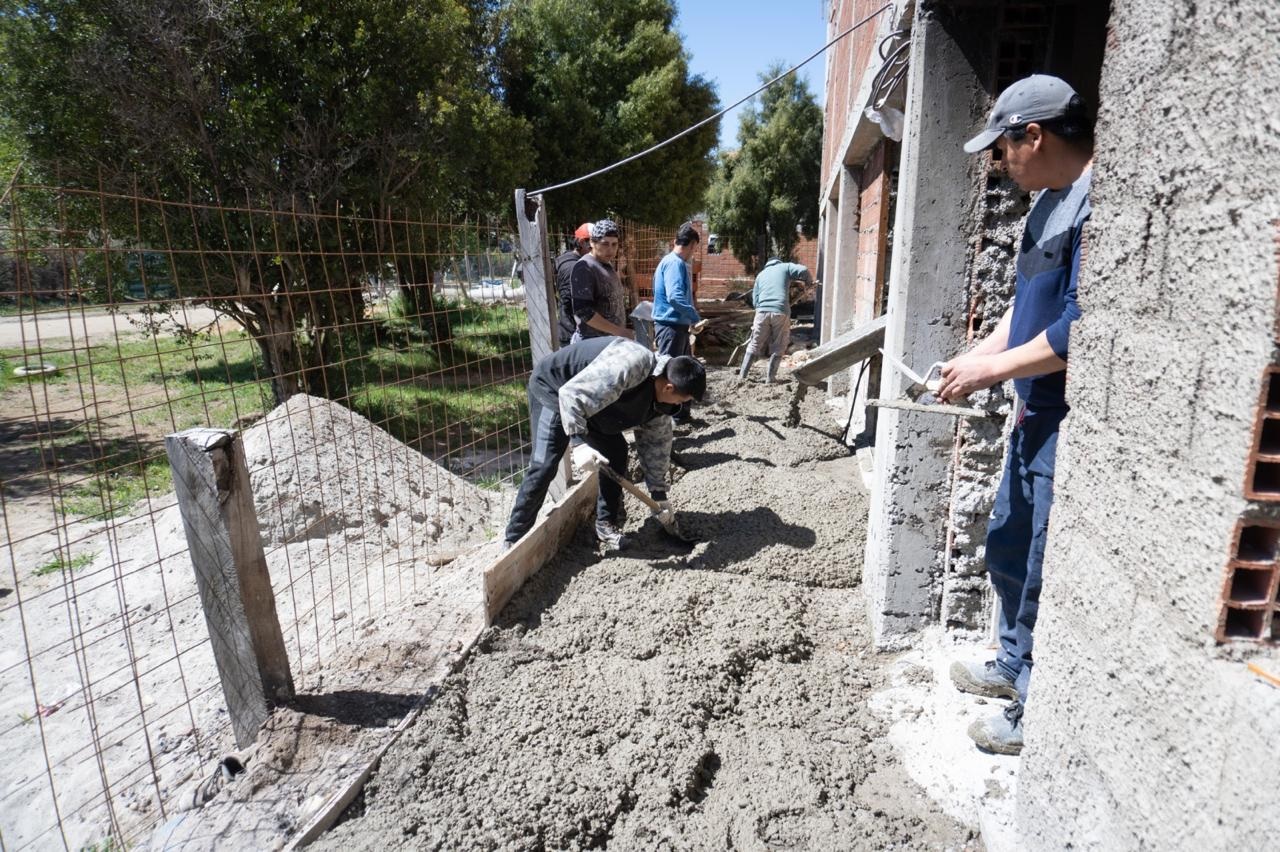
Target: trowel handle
{"points": [[933, 376]]}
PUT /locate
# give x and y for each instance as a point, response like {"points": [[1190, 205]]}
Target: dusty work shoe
{"points": [[611, 538], [982, 679], [1001, 734]]}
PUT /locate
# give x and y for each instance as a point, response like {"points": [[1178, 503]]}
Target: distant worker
{"points": [[673, 309], [585, 396], [564, 264], [1042, 130], [771, 329], [599, 303]]}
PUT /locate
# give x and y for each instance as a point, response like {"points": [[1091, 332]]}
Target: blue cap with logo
{"points": [[1039, 97]]}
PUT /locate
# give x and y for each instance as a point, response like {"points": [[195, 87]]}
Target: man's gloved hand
{"points": [[698, 327], [586, 460], [667, 515]]}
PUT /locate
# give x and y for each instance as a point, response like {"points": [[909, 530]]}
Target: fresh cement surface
{"points": [[670, 697]]}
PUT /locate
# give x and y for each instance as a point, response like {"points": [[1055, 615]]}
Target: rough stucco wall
{"points": [[966, 591], [1141, 731], [926, 313]]}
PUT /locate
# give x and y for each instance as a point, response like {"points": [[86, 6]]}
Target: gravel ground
{"points": [[676, 698]]}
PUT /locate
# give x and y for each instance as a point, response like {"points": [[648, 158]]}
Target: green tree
{"points": [[598, 80], [285, 104], [768, 189]]}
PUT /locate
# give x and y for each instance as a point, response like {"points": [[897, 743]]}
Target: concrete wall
{"points": [[1142, 731], [926, 310]]}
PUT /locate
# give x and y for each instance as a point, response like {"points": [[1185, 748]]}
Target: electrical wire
{"points": [[892, 69], [718, 115], [853, 401]]}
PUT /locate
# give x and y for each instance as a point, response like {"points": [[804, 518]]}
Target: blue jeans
{"points": [[673, 340], [1016, 537]]}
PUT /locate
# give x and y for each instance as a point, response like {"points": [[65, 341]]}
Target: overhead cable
{"points": [[718, 115]]}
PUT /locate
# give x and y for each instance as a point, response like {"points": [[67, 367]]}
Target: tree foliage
{"points": [[598, 80], [768, 188], [284, 104]]}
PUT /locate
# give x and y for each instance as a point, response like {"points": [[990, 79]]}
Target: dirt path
{"points": [[668, 699], [88, 326]]}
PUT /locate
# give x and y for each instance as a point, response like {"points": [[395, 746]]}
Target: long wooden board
{"points": [[504, 577], [842, 352]]}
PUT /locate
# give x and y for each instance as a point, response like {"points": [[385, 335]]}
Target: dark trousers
{"points": [[673, 340], [1016, 538], [549, 445]]}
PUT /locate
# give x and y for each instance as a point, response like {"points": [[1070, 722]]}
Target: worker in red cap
{"points": [[580, 245]]}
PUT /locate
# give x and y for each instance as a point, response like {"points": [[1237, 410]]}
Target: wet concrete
{"points": [[669, 697]]}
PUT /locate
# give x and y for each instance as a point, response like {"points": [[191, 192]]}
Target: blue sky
{"points": [[732, 41]]}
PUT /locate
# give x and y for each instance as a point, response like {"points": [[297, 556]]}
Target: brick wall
{"points": [[718, 274], [845, 66]]}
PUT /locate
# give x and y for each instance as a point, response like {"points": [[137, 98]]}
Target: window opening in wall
{"points": [[892, 157], [1022, 42]]}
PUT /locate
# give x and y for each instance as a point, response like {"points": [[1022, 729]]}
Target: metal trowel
{"points": [[922, 389]]}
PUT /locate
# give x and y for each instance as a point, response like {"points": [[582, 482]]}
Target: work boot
{"points": [[746, 365], [1002, 733], [611, 538], [982, 679], [771, 375]]}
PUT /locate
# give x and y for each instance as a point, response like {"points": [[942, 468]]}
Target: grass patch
{"points": [[496, 481], [118, 483], [435, 418], [468, 390], [58, 564]]}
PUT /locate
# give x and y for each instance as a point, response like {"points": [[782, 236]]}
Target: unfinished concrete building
{"points": [[1162, 585]]}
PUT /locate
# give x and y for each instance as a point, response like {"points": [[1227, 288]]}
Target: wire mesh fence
{"points": [[375, 362]]}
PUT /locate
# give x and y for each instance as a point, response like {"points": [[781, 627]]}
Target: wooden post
{"points": [[541, 301], [212, 484], [540, 298]]}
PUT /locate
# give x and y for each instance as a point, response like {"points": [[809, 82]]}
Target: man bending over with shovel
{"points": [[585, 396]]}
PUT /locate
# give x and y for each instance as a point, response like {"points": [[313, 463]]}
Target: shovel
{"points": [[671, 528]]}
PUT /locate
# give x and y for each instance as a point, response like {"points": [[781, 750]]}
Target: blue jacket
{"points": [[673, 292]]}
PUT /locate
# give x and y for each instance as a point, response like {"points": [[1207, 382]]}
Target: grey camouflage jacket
{"points": [[620, 367]]}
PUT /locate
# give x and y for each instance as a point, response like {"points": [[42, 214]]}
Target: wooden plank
{"points": [[937, 408], [842, 352], [504, 577], [212, 485], [541, 301]]}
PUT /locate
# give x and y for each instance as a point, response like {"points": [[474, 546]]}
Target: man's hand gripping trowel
{"points": [[922, 393], [921, 389]]}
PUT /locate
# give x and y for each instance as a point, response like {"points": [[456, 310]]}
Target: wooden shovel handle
{"points": [[630, 486]]}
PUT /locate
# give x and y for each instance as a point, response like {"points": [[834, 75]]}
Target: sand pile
{"points": [[318, 469], [666, 698]]}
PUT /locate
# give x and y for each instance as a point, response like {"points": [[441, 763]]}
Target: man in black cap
{"points": [[1044, 136], [586, 395]]}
